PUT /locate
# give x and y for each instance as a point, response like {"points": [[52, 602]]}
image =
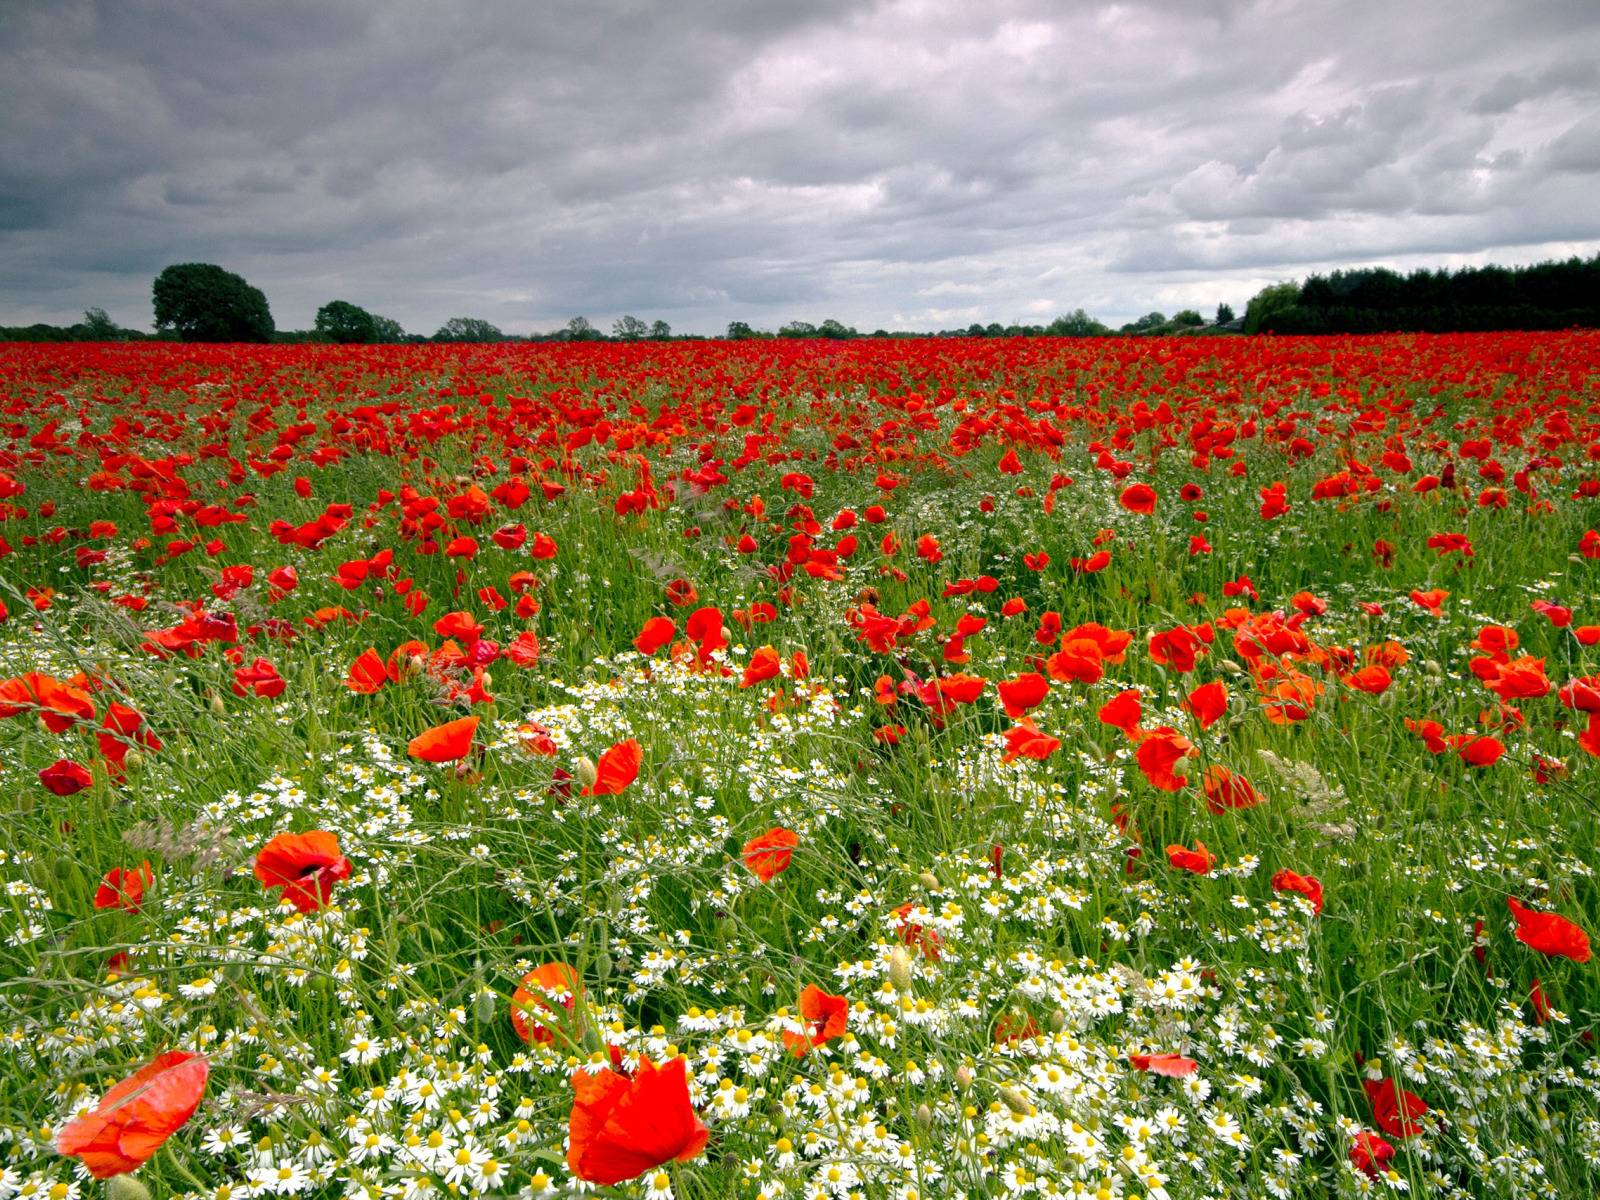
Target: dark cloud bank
{"points": [[914, 164]]}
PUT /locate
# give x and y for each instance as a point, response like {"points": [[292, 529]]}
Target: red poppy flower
{"points": [[124, 887], [1176, 648], [65, 777], [1370, 1154], [1138, 498], [1199, 860], [1208, 703], [1306, 885], [1025, 740], [1224, 790], [620, 1128], [657, 632], [1393, 1110], [1160, 752], [1022, 693], [1078, 661], [137, 1116], [1548, 933], [764, 664], [1173, 1066], [768, 854], [1374, 680], [963, 689], [552, 981], [544, 546], [445, 743], [304, 865], [367, 674], [1017, 605], [523, 649], [825, 1017], [59, 705], [1124, 712], [617, 768], [1430, 601], [122, 726], [1476, 750]]}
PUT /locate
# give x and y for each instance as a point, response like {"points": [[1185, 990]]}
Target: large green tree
{"points": [[346, 323], [204, 303]]}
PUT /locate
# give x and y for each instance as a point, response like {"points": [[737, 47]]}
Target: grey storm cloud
{"points": [[905, 163]]}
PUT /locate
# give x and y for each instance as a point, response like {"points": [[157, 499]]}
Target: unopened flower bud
{"points": [[485, 1007], [126, 1187], [1431, 667], [1015, 1101], [900, 969], [1228, 667], [929, 880], [963, 1077], [924, 1116], [217, 706], [603, 966], [133, 763], [1058, 1021], [587, 772]]}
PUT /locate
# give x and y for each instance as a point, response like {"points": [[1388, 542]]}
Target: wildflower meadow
{"points": [[883, 769]]}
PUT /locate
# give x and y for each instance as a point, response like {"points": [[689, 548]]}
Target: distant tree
{"points": [[1077, 323], [1224, 314], [629, 329], [386, 331], [579, 330], [98, 326], [739, 331], [836, 330], [468, 329], [346, 323], [1268, 302], [204, 303], [1145, 323], [797, 329], [1188, 319], [660, 331]]}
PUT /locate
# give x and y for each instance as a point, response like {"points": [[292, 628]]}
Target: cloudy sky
{"points": [[901, 164]]}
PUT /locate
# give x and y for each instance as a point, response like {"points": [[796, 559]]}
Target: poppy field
{"points": [[944, 767]]}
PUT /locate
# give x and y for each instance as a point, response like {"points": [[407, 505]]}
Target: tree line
{"points": [[1548, 295], [201, 302]]}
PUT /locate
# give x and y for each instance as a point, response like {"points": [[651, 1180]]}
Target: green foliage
{"points": [[629, 329], [1268, 302], [739, 331], [204, 303], [346, 323], [1076, 323], [470, 329], [1224, 314], [1188, 318], [797, 329], [660, 331]]}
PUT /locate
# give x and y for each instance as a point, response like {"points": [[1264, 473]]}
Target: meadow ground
{"points": [[1108, 768]]}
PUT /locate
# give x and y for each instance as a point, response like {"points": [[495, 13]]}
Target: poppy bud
{"points": [[24, 803], [929, 880], [1431, 667], [487, 680], [924, 1116], [133, 763], [963, 1077], [414, 665], [1575, 558], [587, 772], [1015, 1101], [62, 867], [1387, 699], [485, 1007], [126, 1187], [614, 903], [217, 706], [1058, 1021], [603, 966], [900, 969], [1228, 667]]}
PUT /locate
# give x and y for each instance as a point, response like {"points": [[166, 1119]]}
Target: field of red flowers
{"points": [[871, 769]]}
